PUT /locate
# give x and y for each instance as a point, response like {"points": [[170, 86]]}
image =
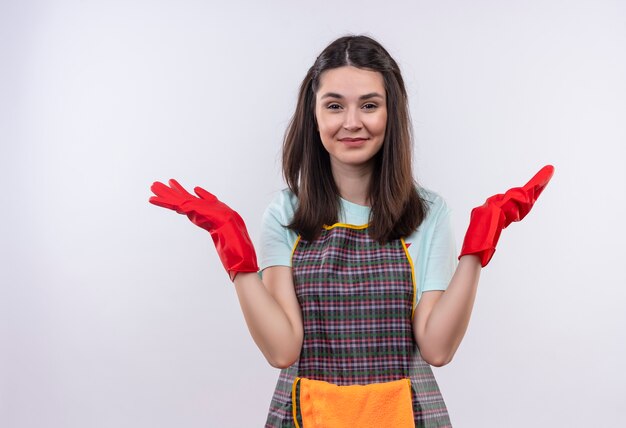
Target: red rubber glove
{"points": [[226, 227], [488, 220]]}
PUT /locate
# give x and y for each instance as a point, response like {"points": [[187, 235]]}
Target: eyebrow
{"points": [[362, 97]]}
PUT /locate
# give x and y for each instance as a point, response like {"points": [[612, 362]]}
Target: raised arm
{"points": [[441, 318], [270, 307]]}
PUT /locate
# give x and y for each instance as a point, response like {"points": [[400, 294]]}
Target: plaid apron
{"points": [[357, 299]]}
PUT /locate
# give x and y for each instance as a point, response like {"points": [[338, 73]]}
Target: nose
{"points": [[352, 120]]}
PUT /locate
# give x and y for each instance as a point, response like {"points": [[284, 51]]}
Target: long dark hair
{"points": [[397, 208]]}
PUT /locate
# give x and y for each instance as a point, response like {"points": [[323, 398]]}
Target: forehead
{"points": [[350, 80]]}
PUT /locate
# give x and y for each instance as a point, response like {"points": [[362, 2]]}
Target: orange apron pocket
{"points": [[326, 405]]}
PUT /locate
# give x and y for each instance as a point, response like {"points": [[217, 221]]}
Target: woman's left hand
{"points": [[488, 220]]}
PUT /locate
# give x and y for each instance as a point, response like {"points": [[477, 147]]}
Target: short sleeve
{"points": [[277, 241], [432, 247]]}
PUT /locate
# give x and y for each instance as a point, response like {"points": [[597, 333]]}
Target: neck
{"points": [[353, 183]]}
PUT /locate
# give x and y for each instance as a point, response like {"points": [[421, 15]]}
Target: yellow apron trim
{"points": [[346, 225], [408, 256], [293, 402], [293, 250]]}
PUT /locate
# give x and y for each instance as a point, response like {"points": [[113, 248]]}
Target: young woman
{"points": [[360, 290]]}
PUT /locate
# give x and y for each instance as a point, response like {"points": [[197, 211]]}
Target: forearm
{"points": [[442, 332], [278, 337]]}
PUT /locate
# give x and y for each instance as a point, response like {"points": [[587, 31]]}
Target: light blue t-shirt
{"points": [[431, 247]]}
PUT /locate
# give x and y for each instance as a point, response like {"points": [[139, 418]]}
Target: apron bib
{"points": [[357, 298]]}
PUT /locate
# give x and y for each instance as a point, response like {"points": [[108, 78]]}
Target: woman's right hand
{"points": [[227, 228], [270, 307]]}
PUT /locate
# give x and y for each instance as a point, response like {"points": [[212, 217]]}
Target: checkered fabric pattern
{"points": [[356, 297]]}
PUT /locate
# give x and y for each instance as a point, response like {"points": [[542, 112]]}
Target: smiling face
{"points": [[351, 113]]}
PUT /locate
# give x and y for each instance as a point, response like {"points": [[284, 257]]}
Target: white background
{"points": [[116, 313]]}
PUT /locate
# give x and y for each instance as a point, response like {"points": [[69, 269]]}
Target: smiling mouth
{"points": [[352, 140]]}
